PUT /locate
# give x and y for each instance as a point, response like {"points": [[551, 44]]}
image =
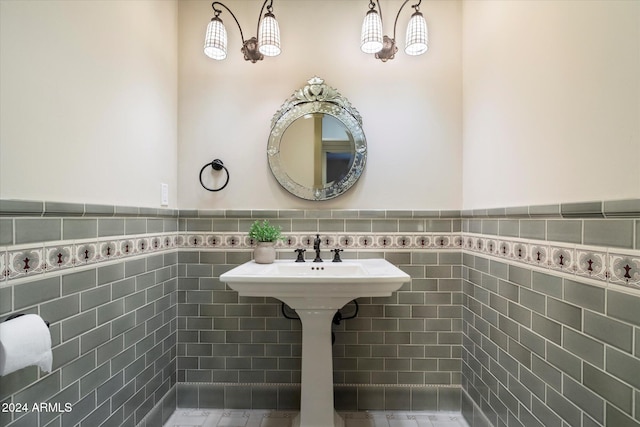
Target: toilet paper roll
{"points": [[25, 341]]}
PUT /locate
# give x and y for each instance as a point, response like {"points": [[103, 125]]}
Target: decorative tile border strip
{"points": [[378, 241], [605, 265], [33, 208], [442, 397], [297, 385], [623, 208], [29, 260]]}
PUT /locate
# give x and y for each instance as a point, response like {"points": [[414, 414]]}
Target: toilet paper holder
{"points": [[13, 316]]}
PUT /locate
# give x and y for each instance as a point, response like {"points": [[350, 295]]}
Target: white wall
{"points": [[551, 101], [411, 106], [88, 101], [99, 98]]}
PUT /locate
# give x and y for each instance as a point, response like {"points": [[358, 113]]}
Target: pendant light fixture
{"points": [[384, 47], [269, 35], [254, 49], [371, 37]]}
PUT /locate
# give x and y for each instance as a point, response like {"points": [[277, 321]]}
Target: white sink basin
{"points": [[347, 271], [316, 285], [316, 291]]}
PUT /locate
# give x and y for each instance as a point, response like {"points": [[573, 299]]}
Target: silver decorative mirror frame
{"points": [[317, 97]]}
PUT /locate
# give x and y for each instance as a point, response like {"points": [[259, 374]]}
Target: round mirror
{"points": [[317, 149]]}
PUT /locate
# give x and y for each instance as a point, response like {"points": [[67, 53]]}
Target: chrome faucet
{"points": [[316, 247]]}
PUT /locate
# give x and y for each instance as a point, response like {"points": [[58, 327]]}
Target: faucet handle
{"points": [[336, 256], [300, 254]]}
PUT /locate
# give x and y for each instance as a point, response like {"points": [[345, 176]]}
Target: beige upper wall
{"points": [[551, 95], [88, 101], [411, 106], [551, 102]]}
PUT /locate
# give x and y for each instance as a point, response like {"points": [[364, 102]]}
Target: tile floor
{"points": [[266, 418]]}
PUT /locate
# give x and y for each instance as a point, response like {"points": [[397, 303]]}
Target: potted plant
{"points": [[265, 235]]}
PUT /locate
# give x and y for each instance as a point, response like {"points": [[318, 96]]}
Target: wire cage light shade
{"points": [[371, 37], [215, 41], [269, 36], [417, 35]]}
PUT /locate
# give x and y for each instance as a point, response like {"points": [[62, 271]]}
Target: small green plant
{"points": [[265, 232]]}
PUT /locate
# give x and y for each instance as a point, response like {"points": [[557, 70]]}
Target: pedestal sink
{"points": [[316, 291]]}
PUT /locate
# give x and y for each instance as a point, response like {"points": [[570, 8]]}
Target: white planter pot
{"points": [[265, 252]]}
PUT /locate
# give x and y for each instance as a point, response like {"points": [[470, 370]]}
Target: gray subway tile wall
{"points": [[566, 353], [113, 338], [496, 336]]}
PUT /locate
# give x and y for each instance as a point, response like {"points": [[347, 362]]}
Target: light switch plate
{"points": [[164, 197]]}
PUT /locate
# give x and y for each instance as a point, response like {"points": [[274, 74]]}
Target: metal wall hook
{"points": [[217, 165]]}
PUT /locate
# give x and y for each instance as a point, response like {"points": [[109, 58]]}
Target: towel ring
{"points": [[216, 165]]}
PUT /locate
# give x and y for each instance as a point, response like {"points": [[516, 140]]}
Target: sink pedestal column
{"points": [[316, 397], [315, 294]]}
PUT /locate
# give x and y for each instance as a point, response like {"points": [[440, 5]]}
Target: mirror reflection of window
{"points": [[337, 150], [317, 150], [337, 166]]}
